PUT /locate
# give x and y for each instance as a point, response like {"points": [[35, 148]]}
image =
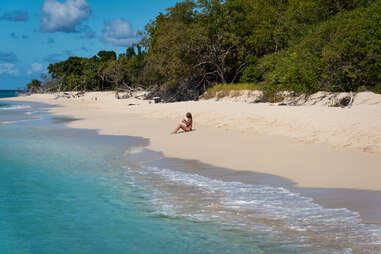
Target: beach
{"points": [[182, 127], [311, 147], [113, 166]]}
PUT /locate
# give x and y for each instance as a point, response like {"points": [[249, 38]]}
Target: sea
{"points": [[65, 190]]}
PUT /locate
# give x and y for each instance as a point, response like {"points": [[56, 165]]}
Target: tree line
{"points": [[297, 45]]}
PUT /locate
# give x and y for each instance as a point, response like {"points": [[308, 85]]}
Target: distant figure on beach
{"points": [[186, 125]]}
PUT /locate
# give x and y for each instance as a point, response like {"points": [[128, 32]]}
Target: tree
{"points": [[106, 56], [130, 52], [299, 45], [34, 86]]}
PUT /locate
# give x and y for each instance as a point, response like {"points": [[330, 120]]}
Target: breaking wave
{"points": [[276, 212]]}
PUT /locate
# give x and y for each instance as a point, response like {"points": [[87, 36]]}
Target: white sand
{"points": [[314, 146]]}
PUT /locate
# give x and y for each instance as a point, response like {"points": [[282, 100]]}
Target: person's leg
{"points": [[178, 128]]}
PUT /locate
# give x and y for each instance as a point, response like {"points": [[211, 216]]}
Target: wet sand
{"points": [[366, 203]]}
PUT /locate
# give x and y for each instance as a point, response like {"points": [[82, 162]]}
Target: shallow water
{"points": [[73, 191]]}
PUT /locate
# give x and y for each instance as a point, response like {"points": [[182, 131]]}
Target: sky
{"points": [[35, 33]]}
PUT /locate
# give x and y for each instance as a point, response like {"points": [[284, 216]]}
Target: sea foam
{"points": [[15, 107], [275, 211]]}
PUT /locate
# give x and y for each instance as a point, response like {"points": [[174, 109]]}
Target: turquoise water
{"points": [[64, 191], [73, 191], [8, 93], [58, 196]]}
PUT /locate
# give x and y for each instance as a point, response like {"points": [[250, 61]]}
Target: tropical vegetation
{"points": [[297, 45]]}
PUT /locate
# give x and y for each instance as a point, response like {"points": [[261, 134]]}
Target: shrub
{"points": [[341, 54]]}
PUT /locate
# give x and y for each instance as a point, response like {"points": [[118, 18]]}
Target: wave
{"points": [[15, 107], [18, 121], [32, 112], [8, 122], [272, 211], [134, 150]]}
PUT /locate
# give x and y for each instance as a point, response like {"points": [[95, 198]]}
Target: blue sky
{"points": [[35, 33]]}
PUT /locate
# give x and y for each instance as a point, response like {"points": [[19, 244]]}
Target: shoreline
{"points": [[366, 203], [334, 178]]}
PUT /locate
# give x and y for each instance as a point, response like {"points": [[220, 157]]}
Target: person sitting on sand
{"points": [[187, 126]]}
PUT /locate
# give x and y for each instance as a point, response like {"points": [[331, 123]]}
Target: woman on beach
{"points": [[187, 124]]}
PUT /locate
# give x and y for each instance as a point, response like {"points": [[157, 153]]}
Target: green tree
{"points": [[105, 56], [341, 54], [34, 86], [299, 45]]}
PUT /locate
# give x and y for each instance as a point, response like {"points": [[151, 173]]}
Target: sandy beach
{"points": [[310, 146]]}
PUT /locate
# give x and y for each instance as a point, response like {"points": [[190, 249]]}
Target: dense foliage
{"points": [[341, 54], [101, 72], [34, 86], [298, 45]]}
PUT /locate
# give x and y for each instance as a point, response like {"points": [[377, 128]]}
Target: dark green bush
{"points": [[341, 54]]}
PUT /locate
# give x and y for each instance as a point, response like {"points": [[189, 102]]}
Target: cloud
{"points": [[54, 58], [13, 35], [57, 57], [85, 49], [88, 32], [7, 68], [8, 57], [63, 16], [35, 67], [15, 16], [119, 32]]}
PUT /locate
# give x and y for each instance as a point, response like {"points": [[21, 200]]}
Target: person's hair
{"points": [[189, 115]]}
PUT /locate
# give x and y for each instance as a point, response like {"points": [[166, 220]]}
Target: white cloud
{"points": [[63, 16], [119, 32], [35, 67], [7, 68], [8, 57]]}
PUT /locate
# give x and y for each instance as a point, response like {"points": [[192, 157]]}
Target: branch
{"points": [[238, 71], [199, 64]]}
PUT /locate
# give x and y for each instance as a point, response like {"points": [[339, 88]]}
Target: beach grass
{"points": [[223, 90]]}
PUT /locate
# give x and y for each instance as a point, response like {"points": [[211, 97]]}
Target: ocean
{"points": [[68, 190], [8, 93]]}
